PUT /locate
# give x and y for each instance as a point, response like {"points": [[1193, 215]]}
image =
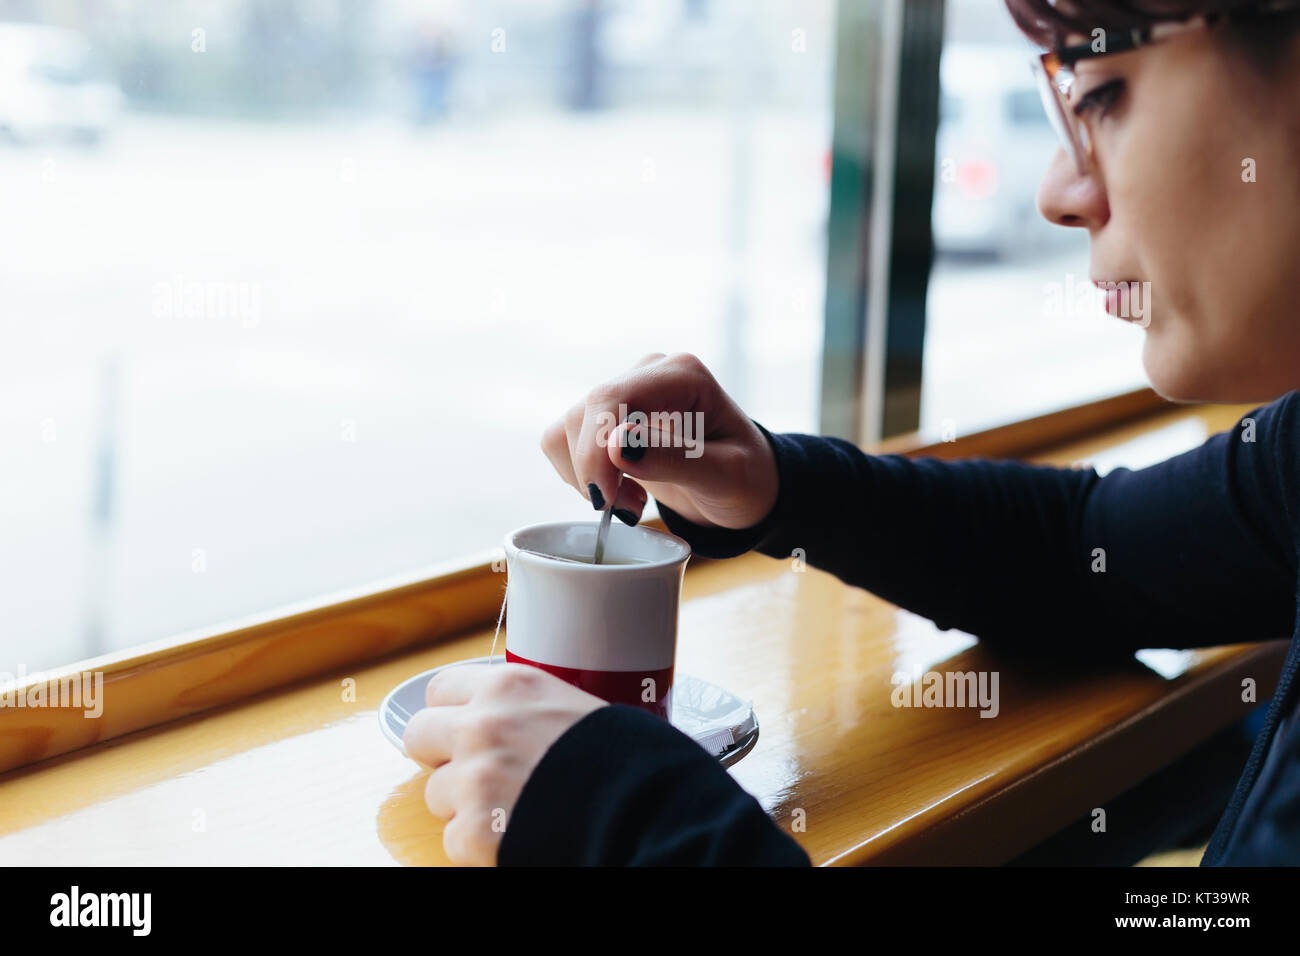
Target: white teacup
{"points": [[609, 628]]}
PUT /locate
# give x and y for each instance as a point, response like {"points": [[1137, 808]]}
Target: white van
{"points": [[993, 145]]}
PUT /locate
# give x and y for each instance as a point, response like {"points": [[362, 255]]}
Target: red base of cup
{"points": [[617, 687]]}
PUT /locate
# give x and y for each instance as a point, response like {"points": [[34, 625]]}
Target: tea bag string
{"points": [[501, 616]]}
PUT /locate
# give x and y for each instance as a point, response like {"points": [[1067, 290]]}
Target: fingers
{"points": [[438, 793], [429, 735], [456, 685], [679, 383], [432, 733], [650, 454], [557, 445], [631, 502], [560, 443], [594, 470], [482, 750], [468, 840], [572, 429], [471, 836], [577, 445]]}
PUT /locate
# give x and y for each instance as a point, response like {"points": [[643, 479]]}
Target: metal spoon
{"points": [[603, 531]]}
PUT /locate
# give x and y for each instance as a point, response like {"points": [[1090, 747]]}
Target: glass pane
{"points": [[1013, 326], [292, 288]]}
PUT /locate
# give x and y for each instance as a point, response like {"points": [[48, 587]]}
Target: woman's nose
{"points": [[1069, 199]]}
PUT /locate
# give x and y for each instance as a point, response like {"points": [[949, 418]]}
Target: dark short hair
{"points": [[1047, 23]]}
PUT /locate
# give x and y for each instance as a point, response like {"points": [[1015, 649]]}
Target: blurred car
{"points": [[53, 86], [993, 145]]}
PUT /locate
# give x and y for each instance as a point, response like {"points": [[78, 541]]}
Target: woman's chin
{"points": [[1175, 377], [1185, 376]]}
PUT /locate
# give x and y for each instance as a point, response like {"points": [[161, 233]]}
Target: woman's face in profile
{"points": [[1180, 129]]}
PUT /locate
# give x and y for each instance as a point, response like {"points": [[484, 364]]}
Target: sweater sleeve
{"points": [[1195, 551], [622, 787]]}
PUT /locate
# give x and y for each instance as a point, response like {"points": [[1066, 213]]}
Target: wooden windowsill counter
{"points": [[302, 775]]}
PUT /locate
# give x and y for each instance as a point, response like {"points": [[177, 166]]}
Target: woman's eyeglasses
{"points": [[1054, 70]]}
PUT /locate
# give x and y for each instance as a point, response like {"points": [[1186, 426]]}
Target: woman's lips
{"points": [[1117, 298]]}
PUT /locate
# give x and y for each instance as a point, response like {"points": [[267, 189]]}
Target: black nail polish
{"points": [[597, 499], [629, 518], [632, 452]]}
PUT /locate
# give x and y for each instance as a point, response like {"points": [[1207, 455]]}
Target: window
{"points": [[950, 108], [1025, 108], [293, 287], [1013, 327]]}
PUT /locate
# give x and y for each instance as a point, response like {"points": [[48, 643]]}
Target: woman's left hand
{"points": [[485, 729]]}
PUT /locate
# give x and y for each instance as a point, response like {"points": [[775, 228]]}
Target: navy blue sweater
{"points": [[1200, 550]]}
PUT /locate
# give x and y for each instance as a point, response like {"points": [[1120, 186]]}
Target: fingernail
{"points": [[597, 499], [632, 451], [629, 518]]}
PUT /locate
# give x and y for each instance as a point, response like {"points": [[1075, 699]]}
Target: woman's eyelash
{"points": [[1102, 97]]}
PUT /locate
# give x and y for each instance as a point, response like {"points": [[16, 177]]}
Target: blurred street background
{"points": [[290, 288]]}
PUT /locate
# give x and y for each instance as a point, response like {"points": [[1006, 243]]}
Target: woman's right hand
{"points": [[714, 468]]}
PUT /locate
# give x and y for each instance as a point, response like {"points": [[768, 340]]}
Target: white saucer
{"points": [[719, 721]]}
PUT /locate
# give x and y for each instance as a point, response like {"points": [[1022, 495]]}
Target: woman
{"points": [[1180, 129]]}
